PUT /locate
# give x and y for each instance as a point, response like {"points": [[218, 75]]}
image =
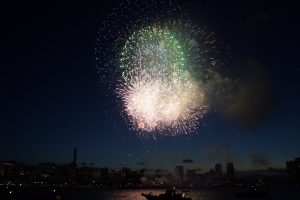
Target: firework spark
{"points": [[168, 107], [161, 64]]}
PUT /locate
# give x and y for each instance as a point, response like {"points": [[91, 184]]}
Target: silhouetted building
{"points": [[190, 174], [218, 170], [85, 175], [230, 171], [104, 175], [293, 169], [72, 169], [179, 173], [194, 177], [75, 157]]}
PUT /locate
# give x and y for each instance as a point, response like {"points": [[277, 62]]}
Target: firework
{"points": [[158, 65], [168, 107]]}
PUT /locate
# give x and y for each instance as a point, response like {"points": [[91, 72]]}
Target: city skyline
{"points": [[188, 164], [53, 100]]}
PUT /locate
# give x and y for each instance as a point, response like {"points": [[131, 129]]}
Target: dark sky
{"points": [[52, 100]]}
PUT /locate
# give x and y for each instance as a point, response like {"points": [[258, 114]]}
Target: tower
{"points": [[74, 157], [72, 169]]}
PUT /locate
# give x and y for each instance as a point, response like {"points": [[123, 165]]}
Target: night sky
{"points": [[52, 99]]}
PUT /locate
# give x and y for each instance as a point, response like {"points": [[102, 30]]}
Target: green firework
{"points": [[153, 49]]}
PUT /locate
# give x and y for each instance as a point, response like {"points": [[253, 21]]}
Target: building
{"points": [[104, 175], [74, 157], [179, 173], [190, 174], [230, 171], [218, 171], [72, 169], [293, 170]]}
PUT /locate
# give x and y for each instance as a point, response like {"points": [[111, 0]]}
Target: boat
{"points": [[168, 195]]}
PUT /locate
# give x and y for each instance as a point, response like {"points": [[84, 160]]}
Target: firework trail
{"points": [[158, 65]]}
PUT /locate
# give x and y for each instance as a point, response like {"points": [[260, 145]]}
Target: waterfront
{"points": [[85, 193]]}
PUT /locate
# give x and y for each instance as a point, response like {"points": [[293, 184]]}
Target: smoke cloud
{"points": [[259, 161], [246, 100]]}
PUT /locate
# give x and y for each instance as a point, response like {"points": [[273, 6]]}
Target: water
{"points": [[275, 193]]}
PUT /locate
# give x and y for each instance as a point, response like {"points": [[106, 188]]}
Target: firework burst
{"points": [[158, 65]]}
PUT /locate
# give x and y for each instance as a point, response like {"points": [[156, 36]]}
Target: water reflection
{"points": [[135, 194]]}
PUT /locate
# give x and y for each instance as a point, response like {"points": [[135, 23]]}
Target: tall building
{"points": [[218, 170], [230, 171], [179, 173], [74, 157], [72, 169], [293, 169], [104, 175]]}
